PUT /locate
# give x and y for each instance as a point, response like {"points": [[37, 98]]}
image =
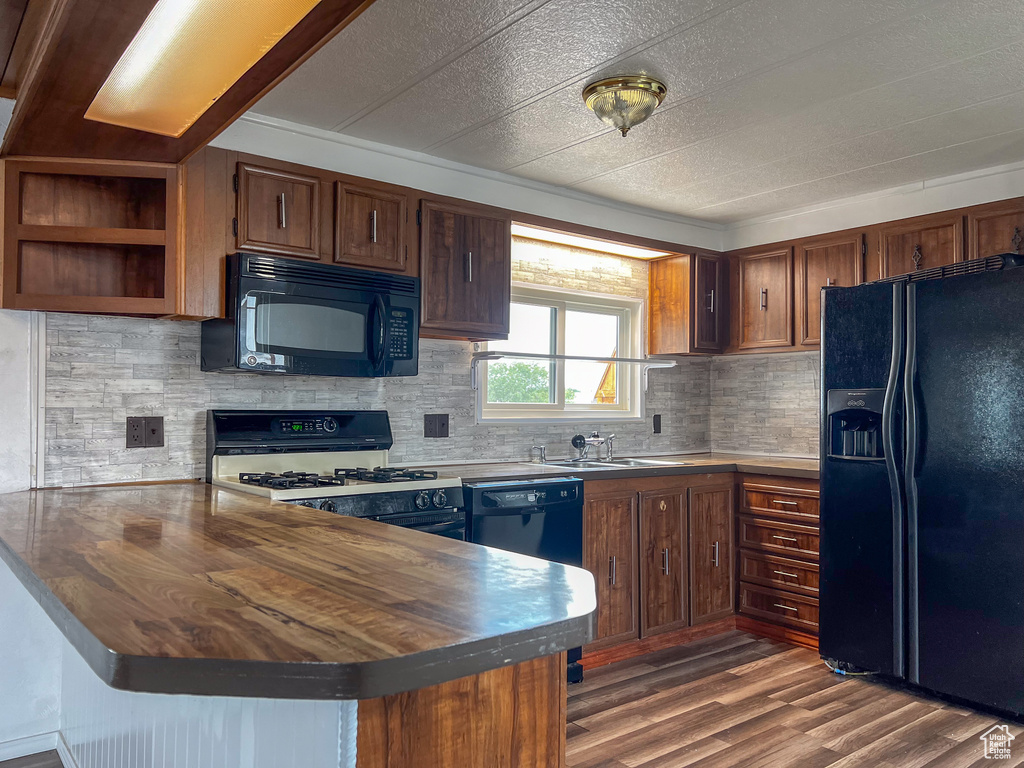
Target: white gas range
{"points": [[336, 461]]}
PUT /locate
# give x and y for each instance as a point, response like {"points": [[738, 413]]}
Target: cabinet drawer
{"points": [[779, 572], [792, 610], [778, 537], [790, 503]]}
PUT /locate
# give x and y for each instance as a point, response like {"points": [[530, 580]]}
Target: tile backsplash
{"points": [[101, 369]]}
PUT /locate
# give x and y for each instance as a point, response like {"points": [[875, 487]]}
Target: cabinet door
{"points": [[921, 243], [709, 310], [821, 263], [278, 212], [370, 228], [662, 563], [997, 228], [466, 269], [766, 300], [609, 552], [711, 559]]}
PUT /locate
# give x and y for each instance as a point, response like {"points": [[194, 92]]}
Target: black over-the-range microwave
{"points": [[291, 317]]}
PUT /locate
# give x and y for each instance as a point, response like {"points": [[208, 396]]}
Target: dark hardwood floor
{"points": [[42, 760], [736, 701]]}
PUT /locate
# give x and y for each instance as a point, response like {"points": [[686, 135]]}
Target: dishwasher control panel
{"points": [[529, 493]]}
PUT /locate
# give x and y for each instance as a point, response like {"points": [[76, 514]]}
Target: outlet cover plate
{"points": [[135, 432], [435, 425], [154, 431]]}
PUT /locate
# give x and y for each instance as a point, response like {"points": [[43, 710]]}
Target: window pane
{"points": [[591, 334], [531, 329]]}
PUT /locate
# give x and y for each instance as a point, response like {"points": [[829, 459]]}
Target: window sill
{"points": [[583, 418]]}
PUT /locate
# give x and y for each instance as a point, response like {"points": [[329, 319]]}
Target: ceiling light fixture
{"points": [[186, 55], [624, 101]]}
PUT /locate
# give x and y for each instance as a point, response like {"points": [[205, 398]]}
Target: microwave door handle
{"points": [[378, 332]]}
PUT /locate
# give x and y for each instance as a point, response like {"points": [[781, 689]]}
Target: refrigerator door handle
{"points": [[909, 470], [889, 448]]}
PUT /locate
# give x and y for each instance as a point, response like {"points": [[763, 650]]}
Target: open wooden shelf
{"points": [[88, 236]]}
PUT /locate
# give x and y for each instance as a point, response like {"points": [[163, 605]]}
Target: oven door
{"points": [[450, 524], [344, 335]]}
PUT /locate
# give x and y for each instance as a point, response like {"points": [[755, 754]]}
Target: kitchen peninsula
{"points": [[185, 588]]}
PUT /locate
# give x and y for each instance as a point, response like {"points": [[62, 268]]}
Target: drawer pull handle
{"points": [[785, 538], [764, 300], [787, 503], [664, 561], [786, 607], [373, 226], [714, 557], [791, 575], [282, 216], [469, 267], [611, 570]]}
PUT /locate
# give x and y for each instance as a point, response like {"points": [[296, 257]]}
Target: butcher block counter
{"points": [[187, 588]]}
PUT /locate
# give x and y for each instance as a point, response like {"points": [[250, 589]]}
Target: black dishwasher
{"points": [[542, 518]]}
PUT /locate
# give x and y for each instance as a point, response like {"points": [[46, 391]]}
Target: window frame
{"points": [[630, 312]]}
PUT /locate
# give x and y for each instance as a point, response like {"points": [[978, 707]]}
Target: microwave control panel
{"points": [[401, 339]]}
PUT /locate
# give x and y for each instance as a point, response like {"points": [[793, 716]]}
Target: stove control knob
{"points": [[440, 499], [330, 425], [422, 500], [329, 506]]}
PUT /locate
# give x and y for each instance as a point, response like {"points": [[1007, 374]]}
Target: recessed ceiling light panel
{"points": [[186, 55]]}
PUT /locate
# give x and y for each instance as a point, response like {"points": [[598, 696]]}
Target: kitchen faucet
{"points": [[583, 444]]}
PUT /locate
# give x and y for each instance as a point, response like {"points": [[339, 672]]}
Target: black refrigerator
{"points": [[922, 480]]}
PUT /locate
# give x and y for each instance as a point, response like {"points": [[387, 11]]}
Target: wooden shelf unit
{"points": [[88, 236]]}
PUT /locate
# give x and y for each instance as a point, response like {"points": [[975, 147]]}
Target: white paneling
{"points": [[30, 672], [107, 728], [15, 404], [323, 149]]}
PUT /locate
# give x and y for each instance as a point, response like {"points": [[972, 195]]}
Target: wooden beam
{"points": [[81, 42], [26, 32]]}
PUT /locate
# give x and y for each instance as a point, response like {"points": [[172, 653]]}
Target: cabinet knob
{"points": [[663, 506]]}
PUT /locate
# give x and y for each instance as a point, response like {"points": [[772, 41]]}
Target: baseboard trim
{"points": [[776, 632], [29, 745], [64, 752], [636, 648]]}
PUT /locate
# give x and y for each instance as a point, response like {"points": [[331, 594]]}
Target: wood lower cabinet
{"points": [[370, 227], [687, 311], [778, 535], [278, 212], [466, 271], [663, 566], [711, 560], [610, 553], [921, 243], [765, 299], [996, 228], [823, 262]]}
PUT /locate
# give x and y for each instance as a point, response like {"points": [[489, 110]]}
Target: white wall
{"points": [[30, 647], [283, 140], [15, 403]]}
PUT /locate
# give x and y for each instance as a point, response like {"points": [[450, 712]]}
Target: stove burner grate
{"points": [[287, 480], [385, 474]]}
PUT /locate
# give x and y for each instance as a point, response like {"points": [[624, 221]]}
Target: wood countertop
{"points": [[187, 588], [697, 463]]}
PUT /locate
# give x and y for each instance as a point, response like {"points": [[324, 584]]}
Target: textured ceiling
{"points": [[772, 104]]}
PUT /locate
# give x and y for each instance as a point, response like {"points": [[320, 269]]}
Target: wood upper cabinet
{"points": [[711, 552], [609, 552], [370, 227], [921, 243], [834, 261], [90, 236], [278, 212], [466, 271], [687, 309], [996, 228], [765, 311], [663, 569]]}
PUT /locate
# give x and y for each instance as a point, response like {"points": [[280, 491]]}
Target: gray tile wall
{"points": [[101, 369], [766, 404]]}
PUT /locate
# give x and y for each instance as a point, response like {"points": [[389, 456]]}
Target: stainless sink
{"points": [[615, 464]]}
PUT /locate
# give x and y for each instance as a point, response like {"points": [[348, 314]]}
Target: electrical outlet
{"points": [[435, 425], [154, 431], [657, 423], [135, 432]]}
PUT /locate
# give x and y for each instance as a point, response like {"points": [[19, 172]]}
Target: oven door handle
{"points": [[378, 334], [438, 527]]}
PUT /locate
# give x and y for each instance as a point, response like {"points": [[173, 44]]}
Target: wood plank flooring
{"points": [[42, 760], [737, 701]]}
